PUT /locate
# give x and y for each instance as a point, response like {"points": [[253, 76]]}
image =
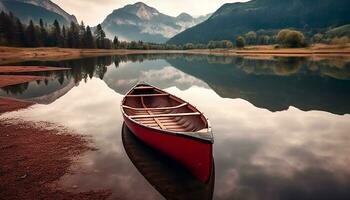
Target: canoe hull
{"points": [[195, 155]]}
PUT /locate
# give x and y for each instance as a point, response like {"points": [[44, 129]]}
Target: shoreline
{"points": [[14, 54], [35, 155]]}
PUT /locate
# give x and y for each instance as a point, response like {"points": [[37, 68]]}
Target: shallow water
{"points": [[281, 125]]}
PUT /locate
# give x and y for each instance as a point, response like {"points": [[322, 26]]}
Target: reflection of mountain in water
{"points": [[49, 98], [274, 85], [168, 177], [46, 92], [42, 92], [158, 73]]}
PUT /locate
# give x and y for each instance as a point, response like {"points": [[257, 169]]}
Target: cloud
{"points": [[93, 12]]}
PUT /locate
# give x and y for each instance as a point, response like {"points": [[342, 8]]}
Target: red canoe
{"points": [[172, 126]]}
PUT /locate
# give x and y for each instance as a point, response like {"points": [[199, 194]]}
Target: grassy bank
{"points": [[10, 54]]}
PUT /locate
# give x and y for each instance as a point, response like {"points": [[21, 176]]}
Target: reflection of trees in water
{"points": [[15, 89], [87, 68], [281, 66]]}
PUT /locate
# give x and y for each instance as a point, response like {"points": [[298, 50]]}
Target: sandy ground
{"points": [[11, 55], [8, 105], [33, 158]]}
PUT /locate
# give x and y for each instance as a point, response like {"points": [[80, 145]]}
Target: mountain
{"points": [[35, 10], [142, 22], [233, 19]]}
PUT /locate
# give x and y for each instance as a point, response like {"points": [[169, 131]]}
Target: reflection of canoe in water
{"points": [[170, 125], [166, 175]]}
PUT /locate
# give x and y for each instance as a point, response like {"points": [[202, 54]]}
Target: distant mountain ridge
{"points": [[35, 10], [142, 22], [233, 19]]}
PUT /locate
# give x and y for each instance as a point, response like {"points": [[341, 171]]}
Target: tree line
{"points": [[14, 33]]}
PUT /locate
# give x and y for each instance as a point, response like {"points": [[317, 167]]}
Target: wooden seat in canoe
{"points": [[161, 108]]}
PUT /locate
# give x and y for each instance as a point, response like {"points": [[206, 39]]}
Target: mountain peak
{"points": [[18, 7], [139, 4], [184, 16], [142, 10]]}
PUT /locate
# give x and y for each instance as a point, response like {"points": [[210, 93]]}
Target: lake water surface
{"points": [[281, 125]]}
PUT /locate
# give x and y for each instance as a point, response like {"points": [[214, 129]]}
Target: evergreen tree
{"points": [[56, 38], [115, 42], [64, 37], [89, 39], [82, 35], [19, 34], [31, 37], [7, 26], [73, 36], [100, 36], [43, 34], [2, 28]]}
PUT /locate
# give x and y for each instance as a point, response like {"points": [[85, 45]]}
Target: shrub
{"points": [[189, 46], [240, 42], [317, 38], [291, 38], [340, 41]]}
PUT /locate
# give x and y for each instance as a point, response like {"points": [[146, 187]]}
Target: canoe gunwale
{"points": [[206, 137]]}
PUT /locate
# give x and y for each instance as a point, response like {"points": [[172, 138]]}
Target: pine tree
{"points": [[56, 38], [19, 34], [82, 39], [7, 27], [115, 42], [89, 39], [31, 37], [64, 37], [100, 36], [2, 28], [73, 36], [43, 34]]}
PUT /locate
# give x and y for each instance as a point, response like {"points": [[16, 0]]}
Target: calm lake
{"points": [[281, 125]]}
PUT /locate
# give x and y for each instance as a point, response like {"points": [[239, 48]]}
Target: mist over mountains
{"points": [[142, 22]]}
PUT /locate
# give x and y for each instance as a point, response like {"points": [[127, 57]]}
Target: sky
{"points": [[93, 12]]}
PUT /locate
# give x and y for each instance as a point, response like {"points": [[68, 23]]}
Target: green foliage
{"points": [[89, 39], [188, 46], [240, 42], [291, 38], [340, 40], [100, 37], [226, 44], [116, 42], [250, 37], [317, 38]]}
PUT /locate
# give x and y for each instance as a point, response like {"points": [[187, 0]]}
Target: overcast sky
{"points": [[93, 12]]}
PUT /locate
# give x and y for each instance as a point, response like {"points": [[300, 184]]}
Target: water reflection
{"points": [[259, 153], [171, 179], [271, 83]]}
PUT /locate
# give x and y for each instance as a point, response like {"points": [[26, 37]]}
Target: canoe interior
{"points": [[171, 113]]}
